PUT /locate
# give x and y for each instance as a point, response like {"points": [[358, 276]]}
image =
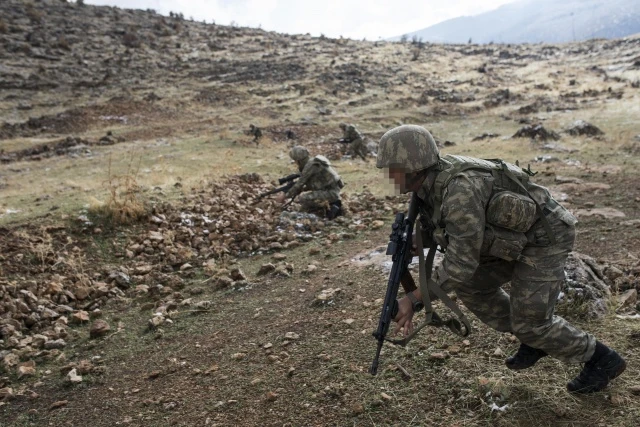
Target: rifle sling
{"points": [[427, 285]]}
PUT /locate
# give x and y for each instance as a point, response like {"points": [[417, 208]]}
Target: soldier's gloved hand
{"points": [[404, 317], [280, 197]]}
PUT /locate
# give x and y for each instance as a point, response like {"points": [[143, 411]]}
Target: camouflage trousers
{"points": [[358, 147], [318, 199], [527, 311]]}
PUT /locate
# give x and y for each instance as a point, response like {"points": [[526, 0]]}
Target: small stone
{"points": [[279, 257], [628, 298], [80, 317], [238, 356], [314, 251], [266, 269], [438, 356], [185, 266], [153, 375], [10, 360], [357, 409], [27, 369], [156, 321], [498, 352], [237, 274], [466, 343], [291, 371], [385, 396], [99, 329], [291, 336], [454, 349], [58, 404], [73, 377], [271, 396], [377, 224], [310, 269], [6, 393], [349, 321], [256, 381], [55, 344], [267, 345]]}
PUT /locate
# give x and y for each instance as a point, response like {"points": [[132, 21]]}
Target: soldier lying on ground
{"points": [[319, 181], [353, 137], [497, 227]]}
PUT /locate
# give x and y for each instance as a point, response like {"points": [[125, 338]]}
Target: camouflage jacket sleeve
{"points": [[310, 169], [463, 213]]}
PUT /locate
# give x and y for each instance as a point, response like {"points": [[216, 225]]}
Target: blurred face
{"points": [[402, 181], [397, 178]]}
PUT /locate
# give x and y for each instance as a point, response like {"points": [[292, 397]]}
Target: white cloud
{"points": [[350, 18]]}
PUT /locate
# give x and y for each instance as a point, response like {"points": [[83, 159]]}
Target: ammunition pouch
{"points": [[512, 211]]}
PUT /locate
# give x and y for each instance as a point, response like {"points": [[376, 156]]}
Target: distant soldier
{"points": [[355, 139], [319, 184], [256, 132]]}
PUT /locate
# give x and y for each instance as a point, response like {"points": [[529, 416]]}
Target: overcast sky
{"points": [[349, 18]]}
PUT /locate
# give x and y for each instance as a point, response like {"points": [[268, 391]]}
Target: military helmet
{"points": [[409, 146], [298, 153]]}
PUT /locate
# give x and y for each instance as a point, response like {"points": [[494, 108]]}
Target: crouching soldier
{"points": [[497, 227], [319, 184]]}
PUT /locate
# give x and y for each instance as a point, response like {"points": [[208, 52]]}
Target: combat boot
{"points": [[335, 209], [525, 358], [604, 365]]}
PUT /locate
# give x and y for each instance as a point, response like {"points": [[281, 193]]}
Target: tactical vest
{"points": [[511, 210], [332, 177]]}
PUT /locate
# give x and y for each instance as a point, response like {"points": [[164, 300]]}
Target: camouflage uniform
{"points": [[477, 275], [471, 266], [355, 139], [320, 182]]}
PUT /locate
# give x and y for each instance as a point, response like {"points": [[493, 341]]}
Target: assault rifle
{"points": [[399, 247], [288, 181]]}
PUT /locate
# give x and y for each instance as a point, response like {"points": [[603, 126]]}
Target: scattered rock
{"points": [[55, 344], [327, 296], [628, 298], [6, 393], [536, 133], [58, 404], [580, 127], [27, 369], [73, 377], [99, 328], [80, 317], [377, 224], [292, 336], [266, 269], [271, 396]]}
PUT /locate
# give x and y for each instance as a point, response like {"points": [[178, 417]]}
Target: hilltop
{"points": [[540, 21]]}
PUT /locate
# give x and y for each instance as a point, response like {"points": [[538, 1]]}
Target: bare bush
{"points": [[124, 204]]}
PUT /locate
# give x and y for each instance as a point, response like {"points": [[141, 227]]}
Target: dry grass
{"points": [[125, 203]]}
